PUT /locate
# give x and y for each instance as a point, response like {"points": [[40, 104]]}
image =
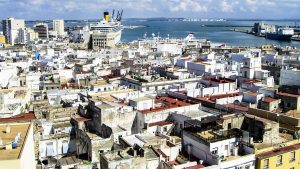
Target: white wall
{"points": [[289, 77], [27, 159]]}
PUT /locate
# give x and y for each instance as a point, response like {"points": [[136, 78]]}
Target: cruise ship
{"points": [[106, 33]]}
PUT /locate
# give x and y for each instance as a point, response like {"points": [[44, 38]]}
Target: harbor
{"points": [[273, 32]]}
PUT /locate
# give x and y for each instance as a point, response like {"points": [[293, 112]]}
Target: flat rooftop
{"points": [[293, 113], [8, 138], [145, 98], [213, 135]]}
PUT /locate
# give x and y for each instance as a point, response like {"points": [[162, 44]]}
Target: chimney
{"points": [[7, 129]]}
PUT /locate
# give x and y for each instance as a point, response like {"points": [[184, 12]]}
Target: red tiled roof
{"points": [[251, 81], [252, 93], [200, 60], [160, 123], [215, 97], [237, 107], [288, 94], [162, 153], [19, 118], [195, 166], [169, 103], [280, 150], [268, 99], [83, 72], [81, 119]]}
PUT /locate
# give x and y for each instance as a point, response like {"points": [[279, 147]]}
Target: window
{"points": [[49, 149], [266, 163], [214, 152], [65, 147], [229, 126], [165, 129], [226, 147], [292, 157], [279, 160]]}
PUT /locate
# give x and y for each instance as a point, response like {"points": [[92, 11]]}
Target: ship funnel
{"points": [[106, 16]]}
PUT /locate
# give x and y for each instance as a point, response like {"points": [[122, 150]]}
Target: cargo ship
{"points": [[284, 34]]}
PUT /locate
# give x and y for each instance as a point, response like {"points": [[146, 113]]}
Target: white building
{"points": [[216, 151], [11, 28], [59, 27], [211, 87], [31, 35], [169, 47], [251, 65]]}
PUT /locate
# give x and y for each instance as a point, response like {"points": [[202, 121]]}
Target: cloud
{"points": [[226, 7], [90, 9], [187, 5]]}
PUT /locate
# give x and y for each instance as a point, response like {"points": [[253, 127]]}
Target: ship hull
{"points": [[275, 36]]}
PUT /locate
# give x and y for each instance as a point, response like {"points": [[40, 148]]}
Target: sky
{"points": [[92, 9]]}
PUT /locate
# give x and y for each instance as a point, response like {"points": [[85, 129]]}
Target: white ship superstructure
{"points": [[106, 33]]}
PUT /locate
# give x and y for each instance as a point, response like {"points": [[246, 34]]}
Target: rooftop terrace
{"points": [[7, 139]]}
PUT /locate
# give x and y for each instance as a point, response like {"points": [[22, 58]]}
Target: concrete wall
{"points": [[57, 146], [252, 98], [15, 164], [27, 155], [198, 149], [228, 100], [27, 159], [288, 77], [291, 121], [241, 162]]}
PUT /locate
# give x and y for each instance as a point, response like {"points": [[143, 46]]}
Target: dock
{"points": [[261, 35]]}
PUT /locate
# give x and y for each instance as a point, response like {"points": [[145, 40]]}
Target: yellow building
{"points": [[2, 39], [283, 157]]}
